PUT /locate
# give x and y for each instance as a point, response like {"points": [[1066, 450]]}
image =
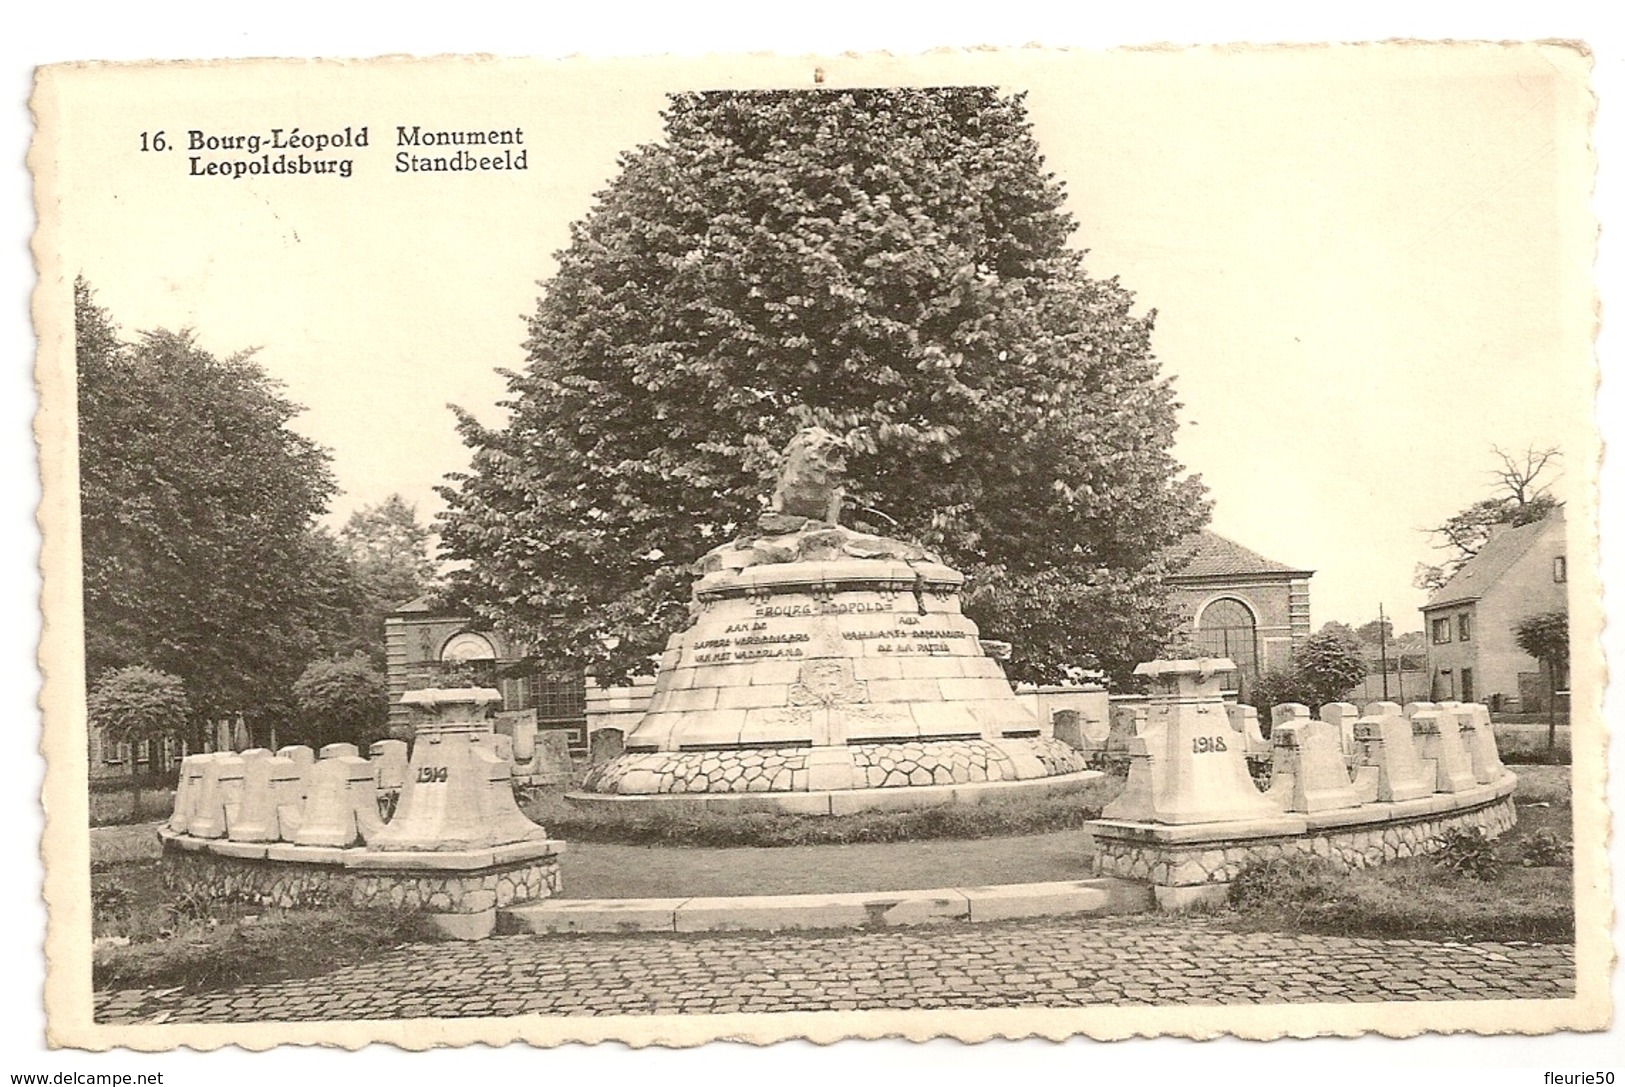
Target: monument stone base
{"points": [[1193, 864], [843, 801], [460, 891], [809, 780]]}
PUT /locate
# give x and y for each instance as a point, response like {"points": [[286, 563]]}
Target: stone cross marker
{"points": [[1478, 734], [1187, 765], [1341, 715], [606, 744], [1244, 719], [222, 786], [340, 791], [253, 817]]}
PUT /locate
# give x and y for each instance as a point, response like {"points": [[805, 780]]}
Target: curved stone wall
{"points": [[309, 883], [1196, 863], [869, 766]]}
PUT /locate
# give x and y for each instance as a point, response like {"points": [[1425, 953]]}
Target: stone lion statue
{"points": [[810, 478]]}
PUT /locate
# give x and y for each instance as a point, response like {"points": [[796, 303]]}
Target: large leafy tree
{"points": [[889, 264], [197, 511]]}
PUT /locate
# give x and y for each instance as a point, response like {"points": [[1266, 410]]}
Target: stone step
{"points": [[863, 909]]}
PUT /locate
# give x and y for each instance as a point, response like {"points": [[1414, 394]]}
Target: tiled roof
{"points": [[1484, 569], [1212, 555]]}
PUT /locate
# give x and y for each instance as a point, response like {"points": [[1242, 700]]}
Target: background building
{"points": [[424, 645], [1469, 622], [1236, 603]]}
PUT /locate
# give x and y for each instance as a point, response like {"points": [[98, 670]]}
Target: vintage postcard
{"points": [[1009, 543]]}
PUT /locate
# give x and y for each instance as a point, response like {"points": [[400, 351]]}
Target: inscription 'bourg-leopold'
{"points": [[759, 639]]}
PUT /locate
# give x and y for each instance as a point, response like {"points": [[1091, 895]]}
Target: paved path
{"points": [[1111, 960]]}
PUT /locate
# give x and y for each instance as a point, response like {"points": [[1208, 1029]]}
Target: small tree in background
{"points": [[388, 550], [138, 704], [1330, 664], [343, 701], [1546, 638]]}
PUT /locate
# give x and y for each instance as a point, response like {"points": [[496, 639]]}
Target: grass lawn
{"points": [[145, 936], [683, 826], [598, 870], [1529, 895]]}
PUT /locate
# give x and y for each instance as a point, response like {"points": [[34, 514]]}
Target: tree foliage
{"points": [[890, 265], [1546, 638], [1522, 495], [343, 700], [197, 511], [388, 551], [1330, 663], [136, 704]]}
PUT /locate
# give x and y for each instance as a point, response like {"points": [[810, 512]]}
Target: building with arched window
{"points": [[1236, 603], [423, 646]]}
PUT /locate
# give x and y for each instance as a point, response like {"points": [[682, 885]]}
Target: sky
{"points": [[1369, 265]]}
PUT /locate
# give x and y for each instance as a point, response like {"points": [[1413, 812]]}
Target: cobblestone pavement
{"points": [[1049, 963]]}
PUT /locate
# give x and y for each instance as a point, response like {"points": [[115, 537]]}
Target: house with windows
{"points": [[1236, 603], [1470, 621]]}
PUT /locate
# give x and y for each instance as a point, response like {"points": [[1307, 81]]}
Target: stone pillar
{"points": [[458, 793], [1189, 767], [1479, 734], [1438, 737], [222, 785], [1341, 716], [1385, 741], [265, 786]]}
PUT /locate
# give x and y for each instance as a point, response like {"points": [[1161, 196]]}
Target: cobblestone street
{"points": [[1050, 963]]}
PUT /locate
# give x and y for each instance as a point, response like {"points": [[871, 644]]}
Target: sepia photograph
{"points": [[970, 544]]}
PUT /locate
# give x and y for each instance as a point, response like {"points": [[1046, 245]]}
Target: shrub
{"points": [[1545, 849], [1287, 884], [1467, 851], [110, 898]]}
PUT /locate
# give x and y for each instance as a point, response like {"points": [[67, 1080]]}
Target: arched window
{"points": [[1226, 629], [471, 655]]}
